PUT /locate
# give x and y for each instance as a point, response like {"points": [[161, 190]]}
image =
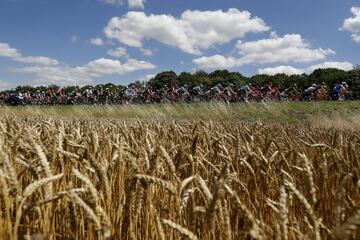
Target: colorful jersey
{"points": [[286, 91], [228, 89], [310, 89], [245, 88], [182, 90], [215, 89], [337, 88], [197, 89]]}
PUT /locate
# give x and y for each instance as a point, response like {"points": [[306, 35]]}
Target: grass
{"points": [[269, 112]]}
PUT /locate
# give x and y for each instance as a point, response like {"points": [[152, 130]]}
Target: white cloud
{"points": [[14, 54], [97, 41], [114, 2], [7, 51], [38, 60], [356, 37], [216, 61], [193, 32], [288, 70], [290, 48], [352, 24], [136, 3], [131, 3], [146, 52], [273, 34], [346, 66], [118, 52], [65, 75], [145, 78]]}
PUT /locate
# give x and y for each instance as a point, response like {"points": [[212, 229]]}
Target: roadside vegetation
{"points": [[286, 112]]}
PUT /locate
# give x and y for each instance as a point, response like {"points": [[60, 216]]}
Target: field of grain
{"points": [[291, 112], [76, 177]]}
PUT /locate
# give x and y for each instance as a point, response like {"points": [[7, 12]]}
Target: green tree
{"points": [[353, 80], [162, 79], [136, 84]]}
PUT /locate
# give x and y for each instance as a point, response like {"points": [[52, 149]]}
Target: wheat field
{"points": [[73, 178]]}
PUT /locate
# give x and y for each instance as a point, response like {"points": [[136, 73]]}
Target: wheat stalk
{"points": [[308, 208], [46, 166], [183, 231], [311, 184], [165, 184], [283, 213], [351, 225]]}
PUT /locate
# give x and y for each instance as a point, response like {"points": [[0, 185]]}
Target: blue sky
{"points": [[71, 42]]}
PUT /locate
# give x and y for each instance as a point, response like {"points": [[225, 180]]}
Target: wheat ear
{"points": [[183, 231]]}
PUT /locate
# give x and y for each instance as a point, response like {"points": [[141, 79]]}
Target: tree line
{"points": [[330, 77]]}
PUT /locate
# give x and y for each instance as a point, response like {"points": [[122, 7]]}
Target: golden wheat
{"points": [[77, 178]]}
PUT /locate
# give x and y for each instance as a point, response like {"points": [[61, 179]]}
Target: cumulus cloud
{"points": [[118, 52], [216, 61], [97, 41], [290, 48], [7, 51], [136, 3], [346, 66], [289, 70], [193, 32], [352, 24], [66, 75], [15, 54]]}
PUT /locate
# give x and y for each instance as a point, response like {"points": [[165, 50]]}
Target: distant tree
{"points": [[84, 88], [260, 79], [120, 87], [353, 80], [24, 89], [41, 88], [54, 87], [330, 77], [236, 78], [136, 84], [202, 77], [186, 78], [99, 86], [69, 89], [219, 74], [225, 78], [110, 86], [202, 73], [162, 79]]}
